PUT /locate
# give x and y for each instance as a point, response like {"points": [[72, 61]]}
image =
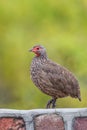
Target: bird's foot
{"points": [[52, 101]]}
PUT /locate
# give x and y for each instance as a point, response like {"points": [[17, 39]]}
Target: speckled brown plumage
{"points": [[51, 78]]}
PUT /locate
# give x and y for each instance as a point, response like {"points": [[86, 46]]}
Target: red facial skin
{"points": [[35, 50]]}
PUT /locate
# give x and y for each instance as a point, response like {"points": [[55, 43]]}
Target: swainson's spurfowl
{"points": [[52, 78]]}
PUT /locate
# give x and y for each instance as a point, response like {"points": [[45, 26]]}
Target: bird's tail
{"points": [[79, 98], [79, 94]]}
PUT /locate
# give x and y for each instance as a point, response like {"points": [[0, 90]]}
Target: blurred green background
{"points": [[60, 26]]}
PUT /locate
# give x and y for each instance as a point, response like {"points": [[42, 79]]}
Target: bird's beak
{"points": [[30, 50]]}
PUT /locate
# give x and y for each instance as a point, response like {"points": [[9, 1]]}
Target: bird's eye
{"points": [[37, 48]]}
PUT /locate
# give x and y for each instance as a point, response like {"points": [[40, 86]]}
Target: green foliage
{"points": [[61, 26]]}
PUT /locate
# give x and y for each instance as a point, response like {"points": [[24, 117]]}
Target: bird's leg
{"points": [[52, 101], [49, 103]]}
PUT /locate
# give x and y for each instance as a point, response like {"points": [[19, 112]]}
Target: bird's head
{"points": [[38, 50]]}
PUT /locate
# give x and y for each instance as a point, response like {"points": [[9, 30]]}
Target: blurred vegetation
{"points": [[61, 26]]}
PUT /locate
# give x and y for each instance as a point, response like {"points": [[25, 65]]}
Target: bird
{"points": [[52, 78]]}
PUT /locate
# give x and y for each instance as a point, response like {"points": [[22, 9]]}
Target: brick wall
{"points": [[43, 119]]}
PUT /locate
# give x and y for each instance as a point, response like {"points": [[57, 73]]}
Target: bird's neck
{"points": [[41, 59], [41, 56]]}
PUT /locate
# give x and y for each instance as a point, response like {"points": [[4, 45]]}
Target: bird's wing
{"points": [[59, 78]]}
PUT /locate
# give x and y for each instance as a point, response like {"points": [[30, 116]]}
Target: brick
{"points": [[49, 122], [12, 124], [80, 123]]}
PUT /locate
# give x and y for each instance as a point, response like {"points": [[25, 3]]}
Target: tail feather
{"points": [[79, 97]]}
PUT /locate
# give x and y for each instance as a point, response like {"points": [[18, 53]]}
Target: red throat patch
{"points": [[37, 54], [35, 51]]}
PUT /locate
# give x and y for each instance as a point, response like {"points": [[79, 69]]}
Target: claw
{"points": [[52, 101]]}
